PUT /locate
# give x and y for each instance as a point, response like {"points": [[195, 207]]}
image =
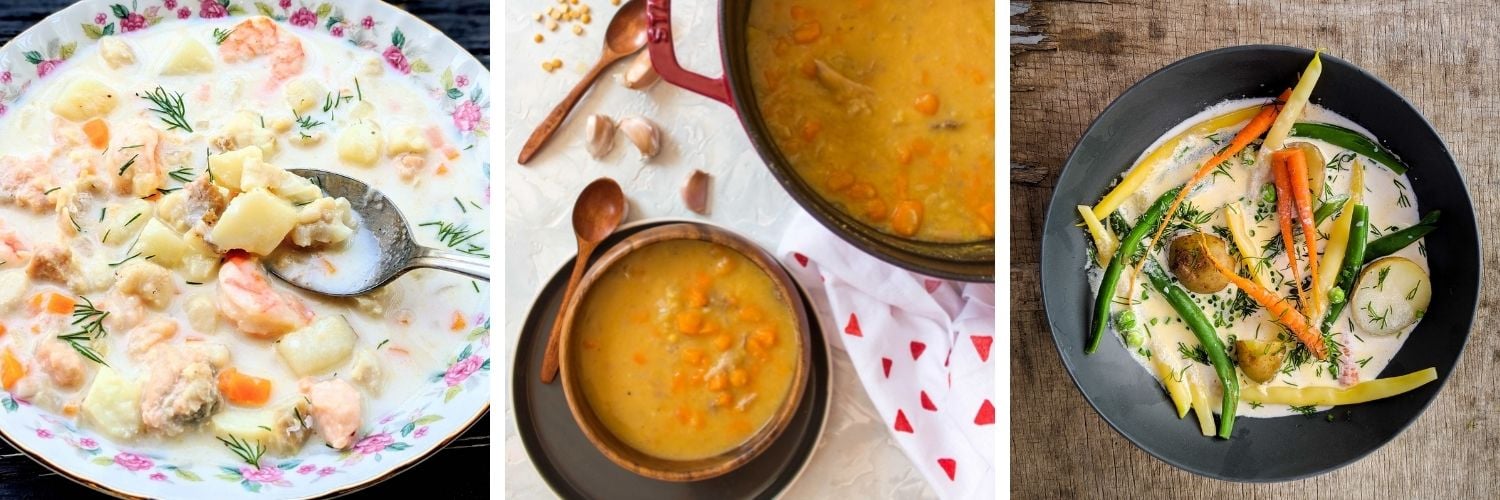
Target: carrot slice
{"points": [[244, 390], [1284, 216], [52, 302], [97, 132], [1257, 127], [11, 370], [1296, 171]]}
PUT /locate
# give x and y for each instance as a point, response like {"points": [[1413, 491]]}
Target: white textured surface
{"points": [[857, 457]]}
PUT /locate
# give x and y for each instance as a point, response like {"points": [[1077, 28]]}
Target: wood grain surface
{"points": [[1071, 58], [465, 21]]}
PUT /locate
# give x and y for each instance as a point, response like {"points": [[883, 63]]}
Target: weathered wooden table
{"points": [[1070, 59], [467, 22]]}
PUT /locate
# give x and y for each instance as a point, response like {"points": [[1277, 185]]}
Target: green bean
{"points": [[1351, 140], [1354, 258], [1209, 339], [1111, 279], [1394, 242]]}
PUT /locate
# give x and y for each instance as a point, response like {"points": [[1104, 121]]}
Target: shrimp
{"points": [[260, 36], [335, 410], [60, 362], [247, 300], [25, 182]]}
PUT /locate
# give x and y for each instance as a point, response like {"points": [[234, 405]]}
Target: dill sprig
{"points": [[127, 259], [128, 164], [182, 174], [1307, 410], [453, 235], [332, 100], [250, 453], [305, 122], [358, 91], [221, 34], [90, 323], [170, 106]]}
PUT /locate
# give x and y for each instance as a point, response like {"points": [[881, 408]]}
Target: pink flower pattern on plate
{"points": [[133, 462], [134, 21], [184, 13], [421, 431], [368, 22], [374, 443], [41, 433], [326, 471], [397, 59], [169, 4], [466, 117], [303, 17], [462, 81], [461, 370], [45, 67], [306, 469], [212, 9], [266, 474], [100, 19], [5, 77], [157, 476], [88, 444]]}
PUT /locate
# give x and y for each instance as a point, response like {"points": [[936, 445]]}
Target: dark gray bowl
{"points": [[1277, 449]]}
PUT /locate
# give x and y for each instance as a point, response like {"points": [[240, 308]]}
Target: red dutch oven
{"points": [[972, 261]]}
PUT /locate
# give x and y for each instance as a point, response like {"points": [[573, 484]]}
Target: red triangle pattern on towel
{"points": [[949, 466], [931, 285], [916, 349], [927, 403], [886, 364], [852, 328], [801, 259], [982, 345], [902, 425], [986, 414]]}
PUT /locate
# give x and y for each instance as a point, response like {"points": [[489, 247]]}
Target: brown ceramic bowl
{"points": [[682, 470]]}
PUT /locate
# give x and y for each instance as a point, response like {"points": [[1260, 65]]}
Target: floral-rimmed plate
{"points": [[452, 399]]}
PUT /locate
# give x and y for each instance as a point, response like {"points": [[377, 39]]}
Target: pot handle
{"points": [[664, 57]]}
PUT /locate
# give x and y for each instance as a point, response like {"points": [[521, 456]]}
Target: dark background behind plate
{"points": [[466, 22], [1087, 54]]}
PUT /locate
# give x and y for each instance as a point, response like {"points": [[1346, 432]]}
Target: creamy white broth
{"points": [[408, 330], [1385, 215]]}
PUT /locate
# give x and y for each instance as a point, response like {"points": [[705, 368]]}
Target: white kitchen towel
{"points": [[921, 347]]}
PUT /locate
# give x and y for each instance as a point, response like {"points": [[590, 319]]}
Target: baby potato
{"points": [[1191, 266], [1260, 360], [255, 222], [406, 139], [1392, 293], [85, 99], [165, 244], [13, 284], [186, 57], [112, 405], [127, 220], [318, 347], [359, 144]]}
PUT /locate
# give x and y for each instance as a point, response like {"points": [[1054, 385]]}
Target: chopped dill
{"points": [[183, 175], [128, 164], [170, 106], [127, 259], [1307, 410], [221, 34], [251, 454]]}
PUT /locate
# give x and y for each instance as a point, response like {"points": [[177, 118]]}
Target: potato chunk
{"points": [[112, 405], [256, 222], [115, 52], [304, 94], [246, 128], [226, 168], [318, 347], [187, 57], [359, 144], [167, 246], [85, 99], [13, 284]]}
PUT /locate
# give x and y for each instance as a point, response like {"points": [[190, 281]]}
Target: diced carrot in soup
{"points": [[98, 133], [11, 370]]}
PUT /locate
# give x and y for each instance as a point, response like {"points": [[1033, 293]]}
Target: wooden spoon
{"points": [[626, 35], [599, 209]]}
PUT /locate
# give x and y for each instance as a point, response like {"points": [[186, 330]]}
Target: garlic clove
{"points": [[640, 74], [643, 134], [601, 135], [695, 193]]}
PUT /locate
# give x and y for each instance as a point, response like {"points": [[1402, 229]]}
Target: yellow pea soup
{"points": [[885, 108], [685, 349]]}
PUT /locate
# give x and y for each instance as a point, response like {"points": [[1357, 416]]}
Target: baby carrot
{"points": [[1284, 216], [1257, 127], [1277, 306], [1296, 171]]}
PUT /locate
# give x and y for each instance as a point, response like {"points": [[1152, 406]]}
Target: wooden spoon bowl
{"points": [[642, 463]]}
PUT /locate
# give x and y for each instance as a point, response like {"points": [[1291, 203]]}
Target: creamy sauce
{"points": [[1392, 205], [405, 332]]}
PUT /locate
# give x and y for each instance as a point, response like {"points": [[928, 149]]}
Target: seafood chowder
{"points": [[141, 188]]}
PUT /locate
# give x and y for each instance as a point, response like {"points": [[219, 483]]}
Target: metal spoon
{"points": [[626, 35], [597, 213], [381, 249]]}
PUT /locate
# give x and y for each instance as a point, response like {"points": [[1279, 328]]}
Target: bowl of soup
{"points": [[877, 118], [682, 354]]}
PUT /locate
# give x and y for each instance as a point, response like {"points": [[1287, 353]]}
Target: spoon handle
{"points": [[554, 120], [461, 263], [550, 363]]}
